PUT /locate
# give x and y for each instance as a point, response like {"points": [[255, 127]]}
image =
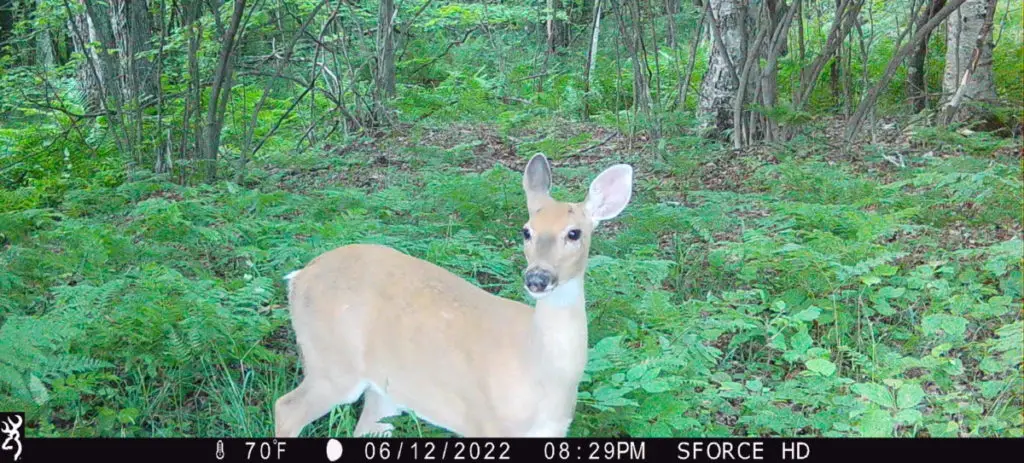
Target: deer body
{"points": [[407, 335]]}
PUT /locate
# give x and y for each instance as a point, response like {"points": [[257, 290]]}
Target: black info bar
{"points": [[383, 450]]}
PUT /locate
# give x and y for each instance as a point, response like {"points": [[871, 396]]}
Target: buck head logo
{"points": [[11, 428]]}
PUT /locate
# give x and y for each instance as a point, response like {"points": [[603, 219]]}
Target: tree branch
{"points": [[853, 126]]}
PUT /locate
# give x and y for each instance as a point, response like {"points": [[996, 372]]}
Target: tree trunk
{"points": [[112, 71], [132, 26], [164, 161], [44, 45], [743, 133], [220, 91], [842, 24], [557, 32], [98, 15], [638, 55], [834, 72], [729, 28], [192, 116], [97, 74], [697, 38], [671, 10], [778, 45], [384, 77], [631, 31], [6, 21], [871, 96], [917, 91], [968, 79], [588, 71], [757, 83]]}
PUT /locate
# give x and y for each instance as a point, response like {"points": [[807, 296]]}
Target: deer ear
{"points": [[537, 182], [609, 193]]}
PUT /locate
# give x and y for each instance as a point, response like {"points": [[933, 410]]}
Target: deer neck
{"points": [[560, 331]]}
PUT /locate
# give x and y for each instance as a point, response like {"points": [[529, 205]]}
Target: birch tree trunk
{"points": [[132, 26], [966, 31], [729, 28], [97, 73]]}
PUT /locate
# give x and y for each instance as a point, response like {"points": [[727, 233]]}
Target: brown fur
{"points": [[408, 335]]}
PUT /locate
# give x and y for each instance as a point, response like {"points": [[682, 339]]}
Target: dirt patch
{"points": [[489, 146], [486, 143], [731, 171]]}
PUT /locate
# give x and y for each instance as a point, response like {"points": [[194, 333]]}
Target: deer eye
{"points": [[526, 234], [574, 234]]}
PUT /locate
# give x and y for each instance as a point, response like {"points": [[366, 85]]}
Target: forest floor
{"points": [[804, 288]]}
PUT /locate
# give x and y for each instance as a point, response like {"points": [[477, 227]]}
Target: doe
{"points": [[407, 335]]}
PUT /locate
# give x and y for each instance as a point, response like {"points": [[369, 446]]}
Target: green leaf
{"points": [[893, 383], [636, 372], [952, 325], [821, 366], [651, 374], [940, 349], [948, 429], [870, 280], [990, 389], [992, 365], [656, 386], [1001, 301], [953, 366], [801, 341], [882, 306], [909, 395], [891, 292], [606, 393], [778, 341], [619, 402], [909, 416], [876, 393], [886, 270], [809, 314], [606, 345], [38, 390], [876, 423], [731, 386]]}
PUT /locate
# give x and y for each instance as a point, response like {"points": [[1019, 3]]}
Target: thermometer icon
{"points": [[220, 450]]}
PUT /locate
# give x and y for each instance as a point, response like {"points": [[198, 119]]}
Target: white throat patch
{"points": [[565, 295]]}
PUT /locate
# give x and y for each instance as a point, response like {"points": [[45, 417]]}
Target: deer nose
{"points": [[538, 280]]}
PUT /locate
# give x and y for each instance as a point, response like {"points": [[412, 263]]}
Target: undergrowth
{"points": [[817, 300]]}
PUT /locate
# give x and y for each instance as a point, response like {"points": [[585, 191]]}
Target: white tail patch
{"points": [[290, 278]]}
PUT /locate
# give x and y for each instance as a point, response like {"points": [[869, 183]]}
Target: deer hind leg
{"points": [[313, 399], [376, 406]]}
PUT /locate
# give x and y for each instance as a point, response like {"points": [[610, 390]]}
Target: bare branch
{"points": [[853, 126]]}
